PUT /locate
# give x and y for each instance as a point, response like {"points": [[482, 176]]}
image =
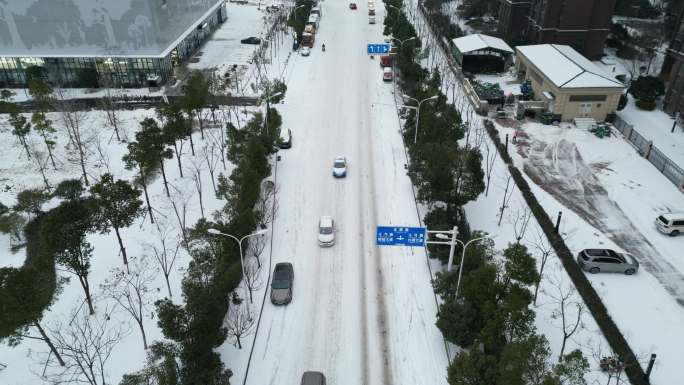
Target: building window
{"points": [[588, 98]]}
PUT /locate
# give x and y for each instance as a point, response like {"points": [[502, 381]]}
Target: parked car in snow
{"points": [[371, 19], [313, 378], [607, 261], [251, 40], [326, 231], [285, 139], [670, 223], [340, 167], [352, 5], [387, 74], [305, 51], [281, 284]]}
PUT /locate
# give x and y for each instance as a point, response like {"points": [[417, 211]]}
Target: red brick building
{"points": [[581, 24], [513, 19], [673, 70]]}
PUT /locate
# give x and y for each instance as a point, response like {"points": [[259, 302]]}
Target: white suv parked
{"points": [[670, 223]]}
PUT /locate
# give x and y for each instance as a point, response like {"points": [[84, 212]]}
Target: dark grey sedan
{"points": [[281, 284], [607, 261]]}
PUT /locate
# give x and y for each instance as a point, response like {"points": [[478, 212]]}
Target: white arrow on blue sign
{"points": [[378, 48], [400, 236]]}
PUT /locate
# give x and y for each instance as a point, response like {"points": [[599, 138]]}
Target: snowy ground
{"points": [[652, 125], [360, 314], [601, 194], [507, 81], [633, 301], [105, 156], [656, 126]]}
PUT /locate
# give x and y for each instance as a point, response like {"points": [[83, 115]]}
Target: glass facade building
{"points": [[89, 43]]}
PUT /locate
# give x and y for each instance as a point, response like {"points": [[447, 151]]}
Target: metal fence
{"points": [[646, 149]]}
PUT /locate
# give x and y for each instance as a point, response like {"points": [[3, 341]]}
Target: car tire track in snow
{"points": [[559, 170], [371, 218]]}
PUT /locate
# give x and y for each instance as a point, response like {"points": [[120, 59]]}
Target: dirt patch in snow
{"points": [[558, 168]]}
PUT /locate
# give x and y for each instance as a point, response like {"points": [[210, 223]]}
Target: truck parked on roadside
{"points": [[308, 39]]}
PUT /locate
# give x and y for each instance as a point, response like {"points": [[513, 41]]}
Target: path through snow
{"points": [[559, 169]]}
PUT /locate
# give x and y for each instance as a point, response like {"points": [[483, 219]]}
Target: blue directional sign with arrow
{"points": [[378, 48], [400, 236]]}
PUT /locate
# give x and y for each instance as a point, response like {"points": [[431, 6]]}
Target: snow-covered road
{"points": [[360, 314]]}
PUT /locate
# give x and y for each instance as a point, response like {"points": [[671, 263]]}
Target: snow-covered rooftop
{"points": [[567, 68], [103, 28], [478, 41]]}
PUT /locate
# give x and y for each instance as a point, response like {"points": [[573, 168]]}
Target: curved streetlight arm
{"points": [[239, 241], [460, 269]]}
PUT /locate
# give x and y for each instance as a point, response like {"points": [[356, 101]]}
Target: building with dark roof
{"points": [[582, 24], [83, 43], [673, 69], [513, 19]]}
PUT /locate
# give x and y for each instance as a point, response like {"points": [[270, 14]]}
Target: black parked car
{"points": [[281, 284], [251, 40]]}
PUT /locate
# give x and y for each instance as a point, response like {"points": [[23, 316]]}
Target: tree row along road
{"points": [[359, 314]]}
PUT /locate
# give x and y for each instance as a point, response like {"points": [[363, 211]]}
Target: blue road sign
{"points": [[378, 48], [400, 236]]}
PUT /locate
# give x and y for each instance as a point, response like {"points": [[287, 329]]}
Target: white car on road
{"points": [[305, 51], [326, 231], [340, 167]]}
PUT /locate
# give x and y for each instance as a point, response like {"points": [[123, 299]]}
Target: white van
{"points": [[670, 223], [387, 74]]}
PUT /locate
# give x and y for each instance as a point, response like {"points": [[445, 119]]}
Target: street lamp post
{"points": [[401, 44], [239, 241], [415, 136], [451, 235], [268, 105]]}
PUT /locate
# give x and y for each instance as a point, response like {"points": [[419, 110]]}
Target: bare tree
{"points": [[165, 253], [256, 247], [212, 160], [266, 205], [542, 245], [508, 193], [132, 291], [520, 220], [103, 155], [196, 173], [253, 278], [480, 134], [179, 203], [240, 321], [111, 110], [490, 158], [569, 309], [86, 344], [41, 162], [73, 122]]}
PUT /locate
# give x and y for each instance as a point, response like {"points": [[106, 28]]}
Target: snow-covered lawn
{"points": [[644, 310], [656, 126], [507, 81], [105, 152], [625, 194]]}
